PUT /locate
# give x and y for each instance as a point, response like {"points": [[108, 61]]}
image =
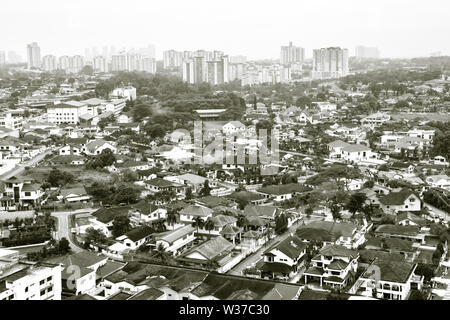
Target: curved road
{"points": [[64, 226]]}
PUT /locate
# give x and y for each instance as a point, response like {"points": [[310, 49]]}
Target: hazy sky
{"points": [[257, 29]]}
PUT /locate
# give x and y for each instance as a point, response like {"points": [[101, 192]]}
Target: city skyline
{"points": [[354, 23]]}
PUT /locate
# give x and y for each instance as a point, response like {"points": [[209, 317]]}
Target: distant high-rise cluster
{"points": [[34, 55], [215, 67], [206, 66], [130, 61], [292, 56], [101, 61], [362, 52], [329, 63]]}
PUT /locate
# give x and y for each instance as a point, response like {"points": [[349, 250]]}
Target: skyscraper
{"points": [[291, 54], [218, 70], [146, 64], [64, 63], [188, 70], [76, 63], [362, 52], [34, 55], [329, 63], [49, 63], [100, 64], [172, 59], [119, 62]]}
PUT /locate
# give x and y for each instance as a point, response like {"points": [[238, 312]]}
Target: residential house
{"points": [[96, 147], [218, 251], [335, 266], [403, 200], [284, 258], [136, 237], [177, 240], [188, 214], [391, 280], [345, 234]]}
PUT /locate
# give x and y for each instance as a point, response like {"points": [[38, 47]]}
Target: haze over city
{"points": [[255, 29]]}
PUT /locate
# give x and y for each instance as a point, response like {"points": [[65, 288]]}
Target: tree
{"points": [[206, 190], [58, 178], [126, 194], [141, 111], [87, 70], [335, 209], [63, 246], [121, 225], [95, 236], [281, 223], [356, 202], [198, 223], [241, 221], [160, 253], [105, 159], [189, 193], [303, 101], [172, 217], [209, 225]]}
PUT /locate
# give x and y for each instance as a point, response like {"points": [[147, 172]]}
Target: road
{"points": [[255, 257], [445, 215], [64, 226], [21, 167]]}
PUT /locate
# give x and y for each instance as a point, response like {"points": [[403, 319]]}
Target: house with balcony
{"points": [[335, 267], [21, 192], [284, 258], [177, 240], [390, 280]]}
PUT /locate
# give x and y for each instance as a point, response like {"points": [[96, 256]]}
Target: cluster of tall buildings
{"points": [[292, 57], [329, 63], [140, 60], [69, 64], [127, 61], [215, 67], [205, 66]]}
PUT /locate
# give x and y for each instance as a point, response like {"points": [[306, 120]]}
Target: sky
{"points": [[256, 29]]}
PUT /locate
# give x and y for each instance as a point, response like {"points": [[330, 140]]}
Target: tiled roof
{"points": [[213, 248], [393, 271], [338, 251], [291, 246], [396, 198], [197, 211], [140, 233]]}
